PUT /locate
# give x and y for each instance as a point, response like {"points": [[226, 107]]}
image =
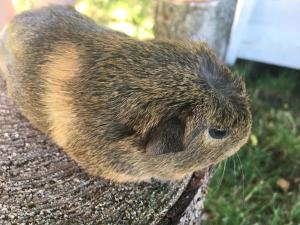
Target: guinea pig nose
{"points": [[218, 133]]}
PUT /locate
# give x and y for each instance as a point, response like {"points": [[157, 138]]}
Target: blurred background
{"points": [[260, 184]]}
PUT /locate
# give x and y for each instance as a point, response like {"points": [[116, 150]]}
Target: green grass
{"points": [[243, 189], [133, 17]]}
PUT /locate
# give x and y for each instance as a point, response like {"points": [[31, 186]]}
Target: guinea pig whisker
{"points": [[224, 164], [243, 178]]}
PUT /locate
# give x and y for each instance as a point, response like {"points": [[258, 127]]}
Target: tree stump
{"points": [[39, 184]]}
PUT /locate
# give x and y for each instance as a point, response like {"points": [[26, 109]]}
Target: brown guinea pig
{"points": [[123, 109]]}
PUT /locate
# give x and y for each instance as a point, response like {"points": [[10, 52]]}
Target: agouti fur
{"points": [[123, 109]]}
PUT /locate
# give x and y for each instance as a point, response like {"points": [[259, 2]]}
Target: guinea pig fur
{"points": [[123, 109]]}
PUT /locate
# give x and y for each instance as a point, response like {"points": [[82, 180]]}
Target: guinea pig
{"points": [[123, 109]]}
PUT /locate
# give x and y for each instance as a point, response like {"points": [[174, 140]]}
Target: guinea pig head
{"points": [[213, 129], [208, 118]]}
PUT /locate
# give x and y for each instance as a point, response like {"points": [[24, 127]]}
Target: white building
{"points": [[266, 31]]}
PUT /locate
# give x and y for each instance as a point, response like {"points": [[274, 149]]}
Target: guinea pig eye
{"points": [[218, 133]]}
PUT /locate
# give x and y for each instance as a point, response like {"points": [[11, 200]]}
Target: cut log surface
{"points": [[39, 184]]}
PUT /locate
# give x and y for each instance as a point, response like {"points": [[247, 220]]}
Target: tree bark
{"points": [[204, 20], [197, 20]]}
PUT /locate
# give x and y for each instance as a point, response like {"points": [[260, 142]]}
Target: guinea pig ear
{"points": [[167, 137]]}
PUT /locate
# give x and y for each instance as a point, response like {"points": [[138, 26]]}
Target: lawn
{"points": [[244, 188]]}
